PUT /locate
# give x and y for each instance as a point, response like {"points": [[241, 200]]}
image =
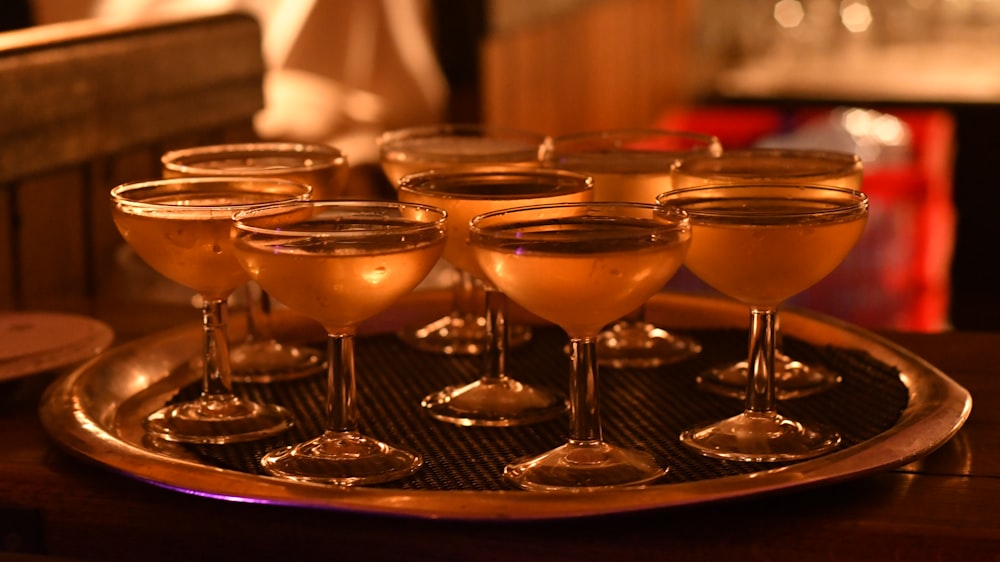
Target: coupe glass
{"points": [[762, 244], [181, 228], [793, 379], [581, 266], [497, 398], [632, 165], [260, 357], [340, 262], [466, 148]]}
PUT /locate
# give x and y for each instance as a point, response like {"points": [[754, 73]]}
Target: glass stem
{"points": [[341, 405], [760, 363], [496, 335], [217, 380], [777, 337], [464, 294], [262, 329], [258, 308], [584, 410]]}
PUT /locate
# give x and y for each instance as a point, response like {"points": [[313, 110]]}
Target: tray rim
{"points": [[938, 408]]}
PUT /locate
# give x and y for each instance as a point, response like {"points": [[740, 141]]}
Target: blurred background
{"points": [[913, 86]]}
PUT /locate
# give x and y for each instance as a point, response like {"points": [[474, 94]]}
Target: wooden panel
{"points": [[54, 245], [71, 92], [8, 229], [607, 64], [85, 107]]}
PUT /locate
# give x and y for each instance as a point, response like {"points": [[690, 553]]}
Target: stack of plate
{"points": [[36, 342]]}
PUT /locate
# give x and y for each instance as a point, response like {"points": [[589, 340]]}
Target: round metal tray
{"points": [[96, 411]]}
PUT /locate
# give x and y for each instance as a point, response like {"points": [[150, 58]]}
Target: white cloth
{"points": [[339, 71]]}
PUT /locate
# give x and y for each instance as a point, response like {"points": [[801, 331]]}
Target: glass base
{"points": [[271, 361], [500, 403], [642, 345], [218, 420], [459, 334], [761, 437], [792, 379], [341, 459], [584, 466]]}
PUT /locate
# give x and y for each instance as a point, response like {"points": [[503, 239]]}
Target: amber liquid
{"points": [[186, 244], [462, 203], [624, 176], [771, 258], [339, 285], [583, 282]]}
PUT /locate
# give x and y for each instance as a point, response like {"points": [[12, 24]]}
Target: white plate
{"points": [[35, 342]]}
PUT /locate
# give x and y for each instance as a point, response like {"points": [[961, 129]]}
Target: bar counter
{"points": [[57, 506]]}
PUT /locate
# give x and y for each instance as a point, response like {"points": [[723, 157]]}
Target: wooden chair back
{"points": [[85, 106]]}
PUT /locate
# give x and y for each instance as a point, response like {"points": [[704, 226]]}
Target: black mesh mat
{"points": [[642, 408]]}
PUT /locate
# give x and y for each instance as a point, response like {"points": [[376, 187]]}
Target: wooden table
{"points": [[943, 507]]}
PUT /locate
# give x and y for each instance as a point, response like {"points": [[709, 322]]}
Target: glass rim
{"points": [[632, 131], [781, 150], [858, 199], [410, 182], [447, 129], [394, 140], [680, 220], [841, 162], [241, 217], [119, 192], [330, 157]]}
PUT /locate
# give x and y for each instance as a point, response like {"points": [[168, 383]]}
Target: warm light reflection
{"points": [[855, 15], [889, 130], [789, 13], [884, 128], [376, 275]]}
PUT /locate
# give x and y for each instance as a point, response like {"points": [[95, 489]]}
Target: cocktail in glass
{"points": [[632, 165], [581, 266], [762, 244], [793, 379], [496, 398], [340, 263], [181, 228], [260, 357], [458, 147]]}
